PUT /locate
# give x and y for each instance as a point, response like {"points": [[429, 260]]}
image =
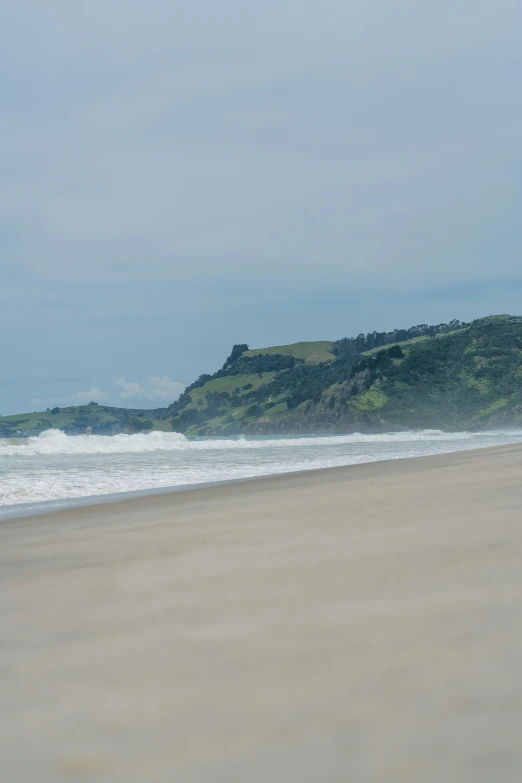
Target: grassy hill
{"points": [[310, 352], [75, 419], [449, 376]]}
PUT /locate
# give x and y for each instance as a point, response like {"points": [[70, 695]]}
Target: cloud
{"points": [[131, 390], [94, 394], [154, 389], [290, 139], [91, 395]]}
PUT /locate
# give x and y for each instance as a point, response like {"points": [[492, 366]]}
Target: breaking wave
{"points": [[55, 468], [57, 442]]}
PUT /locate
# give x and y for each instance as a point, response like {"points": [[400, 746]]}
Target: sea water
{"points": [[55, 469]]}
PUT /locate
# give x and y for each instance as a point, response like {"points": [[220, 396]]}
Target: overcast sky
{"points": [[180, 176]]}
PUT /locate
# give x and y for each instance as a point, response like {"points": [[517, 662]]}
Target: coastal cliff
{"points": [[449, 376]]}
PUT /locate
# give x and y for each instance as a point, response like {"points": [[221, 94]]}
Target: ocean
{"points": [[55, 470]]}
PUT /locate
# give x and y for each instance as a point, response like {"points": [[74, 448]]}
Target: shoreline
{"points": [[110, 499], [362, 622]]}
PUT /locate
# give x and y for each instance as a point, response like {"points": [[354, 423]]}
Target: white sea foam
{"points": [[57, 442], [55, 467]]}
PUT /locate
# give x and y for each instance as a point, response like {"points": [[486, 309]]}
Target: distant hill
{"points": [[102, 420], [448, 376]]}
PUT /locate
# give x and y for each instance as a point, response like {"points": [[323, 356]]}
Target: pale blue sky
{"points": [[180, 176]]}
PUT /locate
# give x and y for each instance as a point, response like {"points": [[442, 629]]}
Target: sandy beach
{"points": [[350, 624]]}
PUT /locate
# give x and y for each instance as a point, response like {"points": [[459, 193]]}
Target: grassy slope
{"points": [[101, 418], [39, 420], [230, 382], [468, 378], [236, 410], [471, 377], [320, 351], [408, 344]]}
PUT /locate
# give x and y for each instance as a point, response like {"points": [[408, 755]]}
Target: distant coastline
{"points": [[450, 376]]}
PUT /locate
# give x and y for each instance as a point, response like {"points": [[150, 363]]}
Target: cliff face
{"points": [[469, 376]]}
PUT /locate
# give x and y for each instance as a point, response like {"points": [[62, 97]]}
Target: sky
{"points": [[177, 177]]}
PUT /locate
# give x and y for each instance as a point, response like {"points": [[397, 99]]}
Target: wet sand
{"points": [[351, 624]]}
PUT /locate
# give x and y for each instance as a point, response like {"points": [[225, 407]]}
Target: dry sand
{"points": [[353, 624]]}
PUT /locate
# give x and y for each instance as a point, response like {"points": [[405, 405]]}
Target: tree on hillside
{"points": [[237, 351], [138, 425]]}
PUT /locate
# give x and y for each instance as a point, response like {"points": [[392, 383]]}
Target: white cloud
{"points": [[94, 394], [131, 390], [153, 389]]}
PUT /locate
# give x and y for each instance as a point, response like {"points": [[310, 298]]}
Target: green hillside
{"points": [[75, 419], [311, 352], [448, 376]]}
